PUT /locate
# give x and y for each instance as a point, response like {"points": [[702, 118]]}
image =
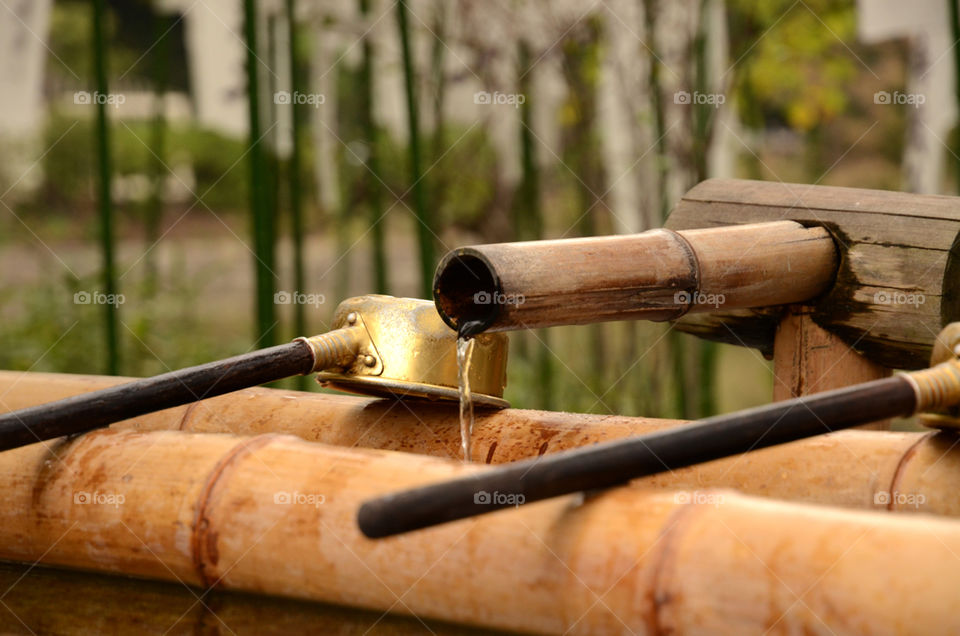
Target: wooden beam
{"points": [[898, 283]]}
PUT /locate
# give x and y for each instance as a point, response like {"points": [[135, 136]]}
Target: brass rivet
{"points": [[351, 318], [369, 361]]}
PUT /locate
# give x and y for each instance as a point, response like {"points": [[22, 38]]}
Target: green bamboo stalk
{"points": [[293, 176], [273, 138], [373, 190], [259, 206], [273, 163], [158, 146], [675, 339], [425, 224], [104, 195], [703, 115], [528, 215], [580, 55], [654, 88], [437, 55]]}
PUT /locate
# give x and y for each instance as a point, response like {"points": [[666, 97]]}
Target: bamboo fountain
{"points": [[259, 490]]}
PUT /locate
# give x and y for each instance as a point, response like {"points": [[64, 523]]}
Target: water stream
{"points": [[464, 355], [468, 329]]}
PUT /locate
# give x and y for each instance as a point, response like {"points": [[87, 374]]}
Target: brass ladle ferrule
{"points": [[938, 388], [381, 345]]}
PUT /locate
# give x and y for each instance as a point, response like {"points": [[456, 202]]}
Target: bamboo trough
{"points": [[907, 472], [276, 514]]}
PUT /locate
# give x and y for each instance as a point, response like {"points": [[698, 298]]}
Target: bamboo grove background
{"points": [[328, 201]]}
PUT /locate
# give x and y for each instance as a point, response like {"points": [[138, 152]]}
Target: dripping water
{"points": [[465, 343]]}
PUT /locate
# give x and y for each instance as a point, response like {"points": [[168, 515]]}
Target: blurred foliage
{"points": [[218, 170], [128, 26], [46, 330], [793, 65], [469, 194], [69, 41]]}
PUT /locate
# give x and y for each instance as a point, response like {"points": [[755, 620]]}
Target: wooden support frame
{"points": [[898, 283], [809, 359]]}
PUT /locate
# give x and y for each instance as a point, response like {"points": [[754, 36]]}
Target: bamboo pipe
{"points": [[617, 462], [656, 275], [210, 509], [858, 469]]}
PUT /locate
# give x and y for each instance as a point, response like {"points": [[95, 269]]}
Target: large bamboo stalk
{"points": [[277, 515], [858, 469]]}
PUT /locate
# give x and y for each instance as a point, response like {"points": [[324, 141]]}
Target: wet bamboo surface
{"points": [[275, 515], [861, 469]]}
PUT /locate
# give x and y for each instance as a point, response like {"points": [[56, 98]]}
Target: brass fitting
{"points": [[381, 345], [938, 388]]}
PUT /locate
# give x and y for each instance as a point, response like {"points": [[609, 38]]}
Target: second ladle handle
{"points": [[617, 462]]}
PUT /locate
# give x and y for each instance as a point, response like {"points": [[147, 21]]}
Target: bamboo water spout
{"points": [[276, 515], [656, 275]]}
